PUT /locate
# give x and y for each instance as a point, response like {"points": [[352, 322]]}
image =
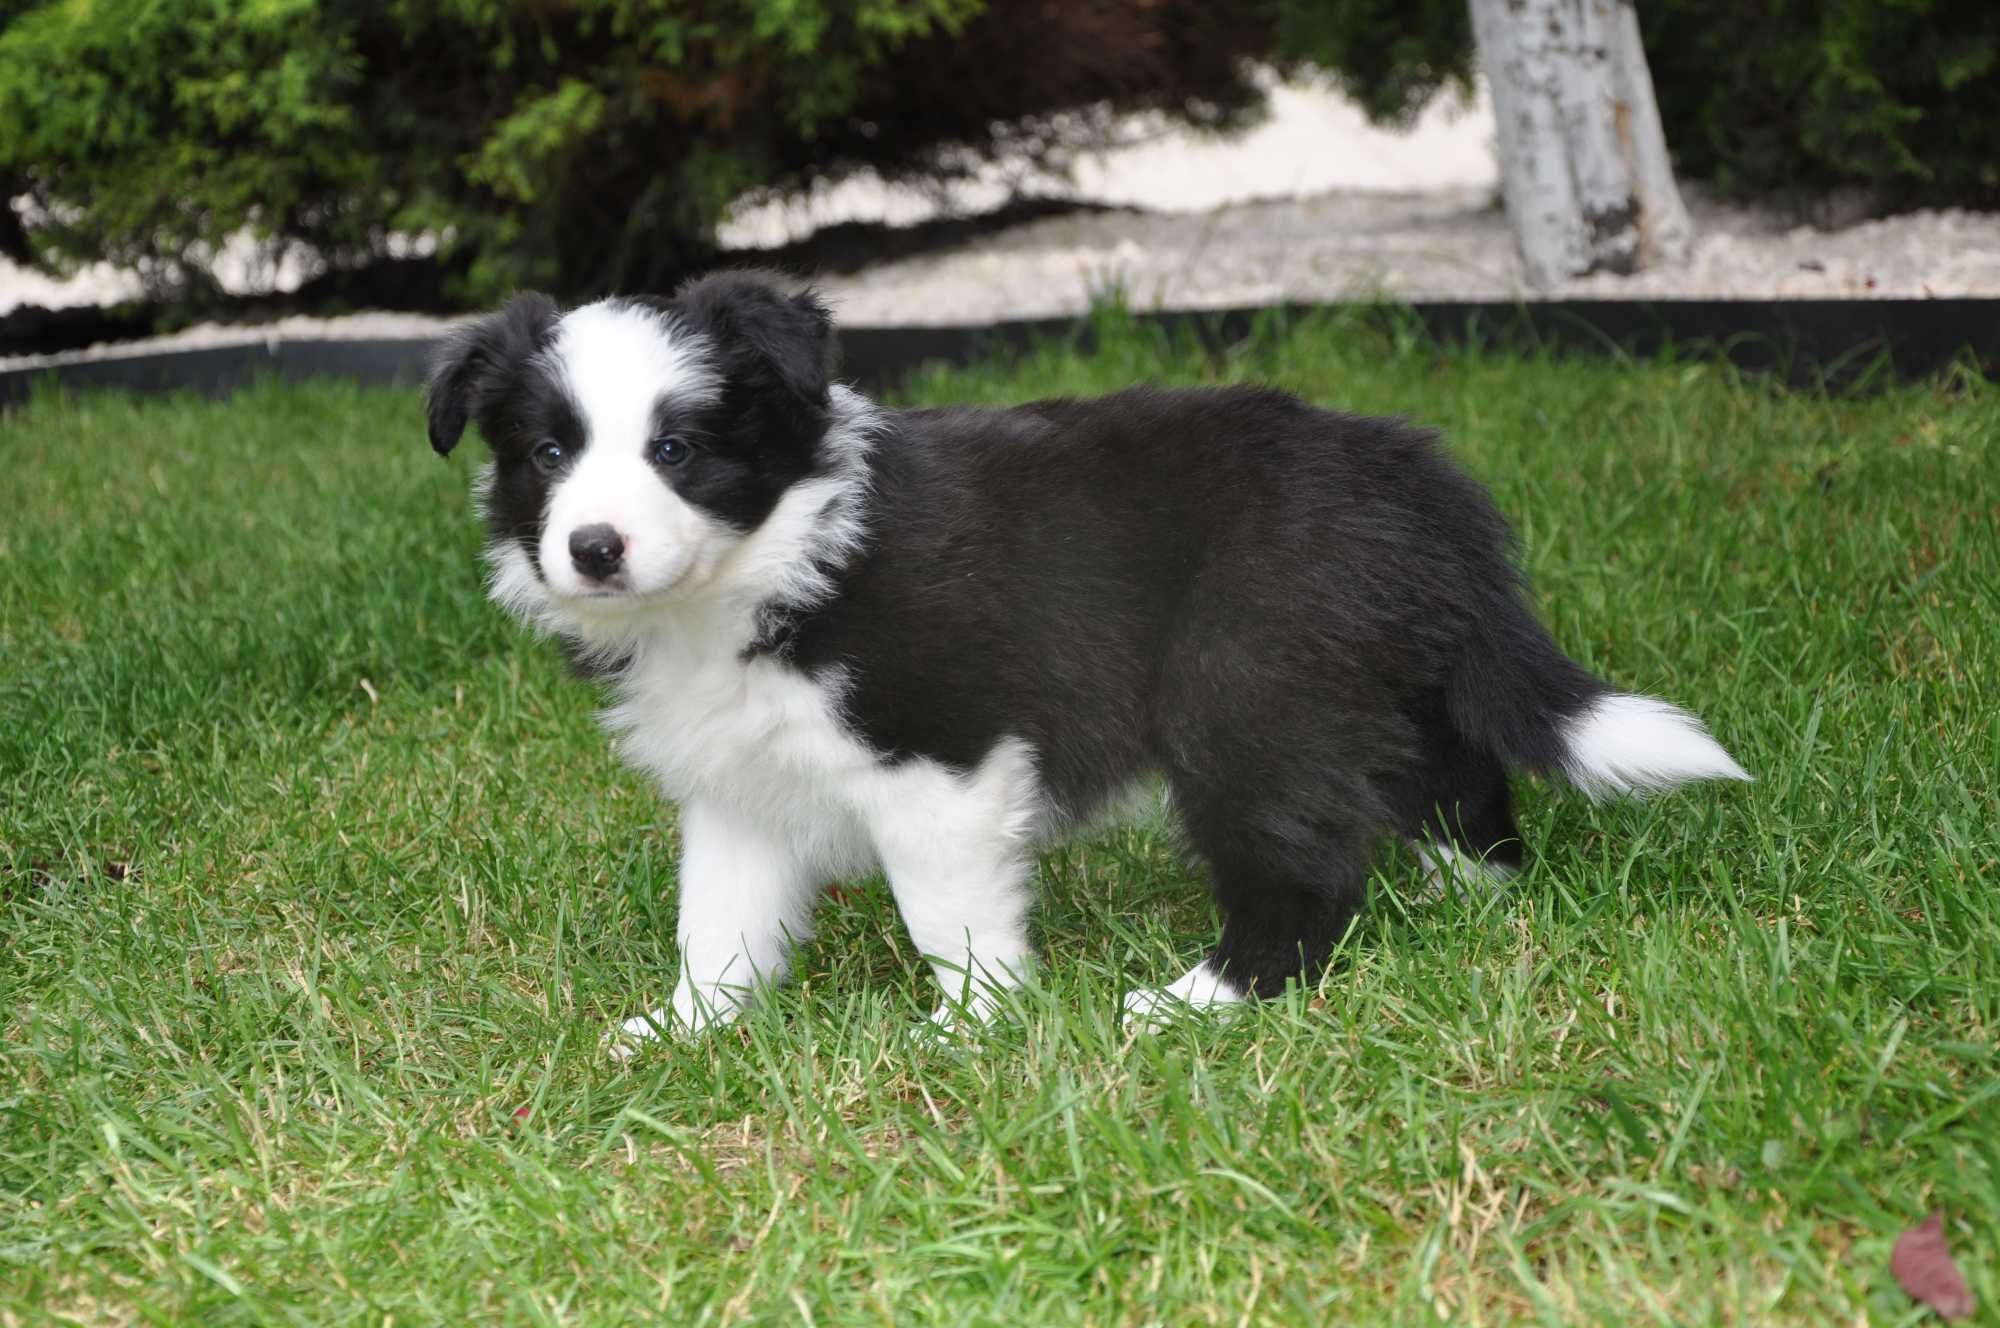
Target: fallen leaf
{"points": [[1922, 1265]]}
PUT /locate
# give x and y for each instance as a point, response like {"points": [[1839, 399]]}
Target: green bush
{"points": [[1391, 55], [592, 144], [580, 146], [1900, 98], [1776, 98]]}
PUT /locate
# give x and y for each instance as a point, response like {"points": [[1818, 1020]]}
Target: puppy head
{"points": [[636, 443]]}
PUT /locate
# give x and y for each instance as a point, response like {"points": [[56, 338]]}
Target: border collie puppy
{"points": [[844, 638]]}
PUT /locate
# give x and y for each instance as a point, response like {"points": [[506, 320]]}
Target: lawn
{"points": [[319, 886]]}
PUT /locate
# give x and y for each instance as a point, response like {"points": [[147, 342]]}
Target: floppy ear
{"points": [[764, 337], [473, 363]]}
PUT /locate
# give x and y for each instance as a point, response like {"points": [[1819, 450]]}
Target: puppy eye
{"points": [[670, 450], [547, 457]]}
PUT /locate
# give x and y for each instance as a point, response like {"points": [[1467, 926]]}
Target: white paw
{"points": [[958, 1023], [623, 1041], [1446, 870], [691, 1014], [1151, 1008], [1200, 988], [945, 1030], [969, 1008], [953, 1021]]}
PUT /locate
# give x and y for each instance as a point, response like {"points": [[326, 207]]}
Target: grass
{"points": [[319, 886]]}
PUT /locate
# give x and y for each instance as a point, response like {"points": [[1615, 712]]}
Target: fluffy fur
{"points": [[843, 638]]}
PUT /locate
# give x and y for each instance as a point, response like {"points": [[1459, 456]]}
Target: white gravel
{"points": [[1448, 245], [1315, 204]]}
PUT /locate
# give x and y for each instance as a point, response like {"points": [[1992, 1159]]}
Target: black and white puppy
{"points": [[844, 638]]}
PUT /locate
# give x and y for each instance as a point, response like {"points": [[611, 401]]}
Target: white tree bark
{"points": [[1583, 161]]}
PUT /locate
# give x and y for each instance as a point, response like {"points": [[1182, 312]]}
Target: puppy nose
{"points": [[596, 550]]}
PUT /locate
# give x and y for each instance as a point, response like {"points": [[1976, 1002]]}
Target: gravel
{"points": [[1447, 245], [1313, 205]]}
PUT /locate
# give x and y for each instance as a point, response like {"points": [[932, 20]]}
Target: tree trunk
{"points": [[1583, 161]]}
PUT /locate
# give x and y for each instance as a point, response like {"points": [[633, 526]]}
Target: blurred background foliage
{"points": [[586, 145]]}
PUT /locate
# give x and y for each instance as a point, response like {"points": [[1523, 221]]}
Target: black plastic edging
{"points": [[1803, 342], [214, 369]]}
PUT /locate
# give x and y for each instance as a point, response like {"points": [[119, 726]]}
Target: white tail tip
{"points": [[1641, 745]]}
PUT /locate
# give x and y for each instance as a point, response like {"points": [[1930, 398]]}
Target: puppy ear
{"points": [[764, 336], [473, 363]]}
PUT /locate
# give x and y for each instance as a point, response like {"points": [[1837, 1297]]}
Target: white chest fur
{"points": [[752, 735], [767, 742]]}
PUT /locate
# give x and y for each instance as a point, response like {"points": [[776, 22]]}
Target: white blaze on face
{"points": [[617, 363]]}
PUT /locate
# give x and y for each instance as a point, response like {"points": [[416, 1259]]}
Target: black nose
{"points": [[596, 550]]}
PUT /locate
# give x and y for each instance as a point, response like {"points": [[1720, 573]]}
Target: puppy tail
{"points": [[1639, 745], [1515, 692]]}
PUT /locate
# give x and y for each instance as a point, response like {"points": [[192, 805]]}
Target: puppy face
{"points": [[636, 443]]}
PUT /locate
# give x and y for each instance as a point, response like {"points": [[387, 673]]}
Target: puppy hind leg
{"points": [[1461, 823], [1287, 886]]}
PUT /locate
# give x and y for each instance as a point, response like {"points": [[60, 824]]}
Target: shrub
{"points": [[1900, 98], [580, 147], [592, 144], [1390, 55], [1779, 98]]}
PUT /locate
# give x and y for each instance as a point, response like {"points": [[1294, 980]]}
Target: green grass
{"points": [[316, 873]]}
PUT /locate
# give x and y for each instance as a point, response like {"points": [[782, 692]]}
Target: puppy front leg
{"points": [[744, 899], [970, 919], [957, 854]]}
